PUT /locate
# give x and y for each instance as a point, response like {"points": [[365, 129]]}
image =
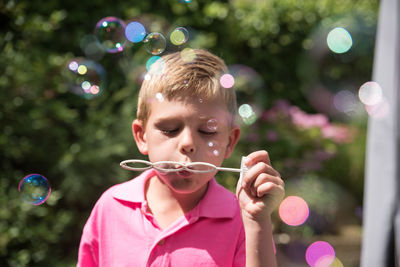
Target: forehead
{"points": [[189, 107]]}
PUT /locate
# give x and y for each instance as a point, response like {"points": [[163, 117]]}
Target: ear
{"points": [[233, 139], [139, 134]]}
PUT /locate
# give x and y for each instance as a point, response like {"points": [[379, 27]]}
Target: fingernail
{"points": [[246, 161]]}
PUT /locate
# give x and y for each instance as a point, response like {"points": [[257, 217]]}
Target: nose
{"points": [[187, 142]]}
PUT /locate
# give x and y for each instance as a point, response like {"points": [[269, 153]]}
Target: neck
{"points": [[160, 196]]}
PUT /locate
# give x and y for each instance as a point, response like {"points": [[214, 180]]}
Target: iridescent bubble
{"points": [[320, 252], [370, 93], [155, 43], [34, 189], [227, 81], [185, 1], [85, 77], [247, 114], [135, 32], [293, 210], [179, 36], [188, 54], [211, 125], [339, 40], [110, 33]]}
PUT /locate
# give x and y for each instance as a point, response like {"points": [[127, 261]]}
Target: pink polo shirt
{"points": [[121, 232]]}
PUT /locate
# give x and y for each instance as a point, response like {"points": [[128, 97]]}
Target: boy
{"points": [[185, 218]]}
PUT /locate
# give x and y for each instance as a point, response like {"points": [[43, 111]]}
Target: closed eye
{"points": [[169, 132], [207, 132]]}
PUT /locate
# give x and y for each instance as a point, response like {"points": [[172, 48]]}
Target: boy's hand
{"points": [[261, 189]]}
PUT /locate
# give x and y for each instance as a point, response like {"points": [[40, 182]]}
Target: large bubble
{"points": [[110, 33], [85, 77], [34, 189], [155, 43]]}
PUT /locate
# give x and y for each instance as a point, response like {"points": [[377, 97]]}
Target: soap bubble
{"points": [[110, 33], [91, 47], [155, 43], [135, 32], [179, 36], [34, 189], [85, 77], [339, 40]]}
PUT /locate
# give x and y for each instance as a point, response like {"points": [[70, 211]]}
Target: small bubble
{"points": [[179, 36], [212, 124], [339, 40], [159, 97], [155, 43], [216, 153], [34, 189], [210, 144]]}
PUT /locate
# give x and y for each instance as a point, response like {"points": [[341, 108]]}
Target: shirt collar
{"points": [[218, 202]]}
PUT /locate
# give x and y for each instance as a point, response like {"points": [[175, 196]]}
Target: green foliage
{"points": [[78, 143]]}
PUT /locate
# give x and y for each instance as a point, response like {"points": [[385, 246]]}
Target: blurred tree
{"points": [[77, 143]]}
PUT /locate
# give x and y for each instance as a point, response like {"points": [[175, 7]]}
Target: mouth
{"points": [[185, 173]]}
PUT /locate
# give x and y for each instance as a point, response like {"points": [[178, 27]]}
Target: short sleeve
{"points": [[88, 255], [240, 254]]}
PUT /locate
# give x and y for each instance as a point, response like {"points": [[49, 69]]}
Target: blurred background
{"points": [[69, 79]]}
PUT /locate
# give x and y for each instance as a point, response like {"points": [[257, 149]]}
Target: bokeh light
{"points": [[370, 93], [110, 33], [294, 210], [378, 111], [34, 189], [320, 253], [91, 47], [188, 55], [179, 36], [155, 65], [345, 101], [227, 81], [135, 32], [155, 43], [247, 114], [339, 40], [85, 77]]}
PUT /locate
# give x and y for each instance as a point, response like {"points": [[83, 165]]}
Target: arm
{"points": [[259, 193]]}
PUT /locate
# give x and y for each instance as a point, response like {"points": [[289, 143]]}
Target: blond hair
{"points": [[196, 76]]}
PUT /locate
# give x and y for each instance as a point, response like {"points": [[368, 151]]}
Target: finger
{"points": [[252, 174], [267, 178], [257, 156], [270, 188]]}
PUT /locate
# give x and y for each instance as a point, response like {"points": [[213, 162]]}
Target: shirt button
{"points": [[161, 242]]}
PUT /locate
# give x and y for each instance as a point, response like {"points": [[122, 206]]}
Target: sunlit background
{"points": [[70, 74]]}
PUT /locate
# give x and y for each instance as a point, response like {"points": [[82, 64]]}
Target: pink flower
{"points": [[339, 134]]}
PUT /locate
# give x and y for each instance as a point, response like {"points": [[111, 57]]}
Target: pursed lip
{"points": [[185, 173]]}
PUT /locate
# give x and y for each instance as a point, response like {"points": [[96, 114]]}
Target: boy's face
{"points": [[185, 131]]}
